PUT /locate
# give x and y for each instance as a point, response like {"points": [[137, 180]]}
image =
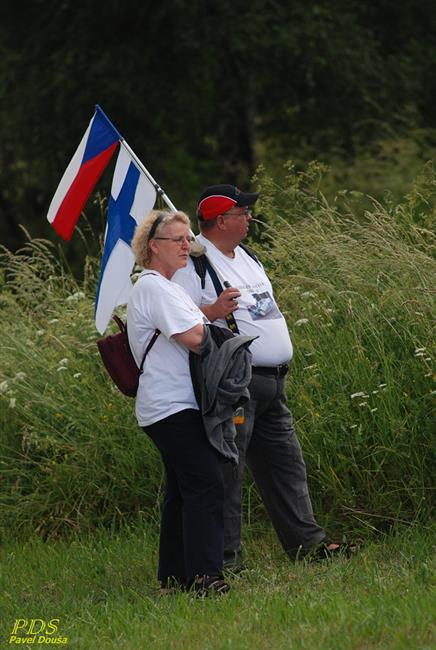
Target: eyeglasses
{"points": [[179, 240], [245, 213]]}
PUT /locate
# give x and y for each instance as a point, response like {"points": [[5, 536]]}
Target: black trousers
{"points": [[192, 523]]}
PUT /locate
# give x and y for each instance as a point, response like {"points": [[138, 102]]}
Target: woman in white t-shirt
{"points": [[191, 535]]}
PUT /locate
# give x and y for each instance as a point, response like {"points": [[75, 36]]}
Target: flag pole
{"points": [[197, 248], [156, 185]]}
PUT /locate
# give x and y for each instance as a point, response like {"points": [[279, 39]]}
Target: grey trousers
{"points": [[267, 443]]}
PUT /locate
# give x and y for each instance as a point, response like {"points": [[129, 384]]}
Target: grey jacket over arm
{"points": [[221, 374]]}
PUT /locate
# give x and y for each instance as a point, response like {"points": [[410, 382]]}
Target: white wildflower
{"points": [[374, 392], [77, 375], [353, 426], [307, 294], [374, 410], [79, 295], [427, 359], [12, 402], [419, 354], [301, 321], [19, 376], [382, 385], [61, 368], [63, 362], [53, 320], [360, 394], [4, 387], [363, 403], [40, 332], [420, 350]]}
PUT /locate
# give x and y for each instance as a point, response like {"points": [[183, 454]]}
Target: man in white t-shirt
{"points": [[266, 439]]}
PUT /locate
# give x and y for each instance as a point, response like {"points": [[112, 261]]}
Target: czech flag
{"points": [[87, 165]]}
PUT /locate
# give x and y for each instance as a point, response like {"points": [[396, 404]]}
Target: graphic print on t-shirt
{"points": [[264, 307]]}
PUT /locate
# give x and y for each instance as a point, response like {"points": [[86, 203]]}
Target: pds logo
{"points": [[36, 631]]}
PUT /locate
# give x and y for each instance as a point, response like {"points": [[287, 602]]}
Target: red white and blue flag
{"points": [[87, 165]]}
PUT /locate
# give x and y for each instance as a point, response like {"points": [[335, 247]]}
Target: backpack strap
{"points": [[202, 264], [151, 343], [149, 346], [123, 327], [230, 319], [250, 252]]}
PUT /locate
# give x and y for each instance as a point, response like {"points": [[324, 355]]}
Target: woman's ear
{"points": [[153, 247]]}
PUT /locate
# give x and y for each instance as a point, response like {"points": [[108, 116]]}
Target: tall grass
{"points": [[72, 455], [357, 290]]}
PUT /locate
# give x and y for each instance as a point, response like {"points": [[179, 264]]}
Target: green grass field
{"points": [[104, 592]]}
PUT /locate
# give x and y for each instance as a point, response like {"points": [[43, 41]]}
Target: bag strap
{"points": [[250, 252], [123, 327], [121, 324], [149, 346], [230, 319], [152, 341]]}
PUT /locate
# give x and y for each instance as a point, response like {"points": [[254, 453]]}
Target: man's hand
{"points": [[226, 303]]}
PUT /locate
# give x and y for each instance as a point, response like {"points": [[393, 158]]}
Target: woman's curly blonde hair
{"points": [[141, 237]]}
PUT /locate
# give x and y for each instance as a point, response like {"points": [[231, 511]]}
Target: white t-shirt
{"points": [[165, 386], [257, 315]]}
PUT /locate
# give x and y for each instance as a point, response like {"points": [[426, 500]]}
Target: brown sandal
{"points": [[328, 550]]}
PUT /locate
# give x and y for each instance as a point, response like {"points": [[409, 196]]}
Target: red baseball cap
{"points": [[218, 199]]}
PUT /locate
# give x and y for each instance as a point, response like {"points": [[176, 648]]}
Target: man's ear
{"points": [[221, 222]]}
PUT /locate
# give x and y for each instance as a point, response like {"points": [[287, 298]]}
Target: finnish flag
{"points": [[132, 198]]}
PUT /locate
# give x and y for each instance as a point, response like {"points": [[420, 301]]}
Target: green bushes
{"points": [[356, 289]]}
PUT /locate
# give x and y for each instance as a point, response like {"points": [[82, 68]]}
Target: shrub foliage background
{"points": [[357, 288]]}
